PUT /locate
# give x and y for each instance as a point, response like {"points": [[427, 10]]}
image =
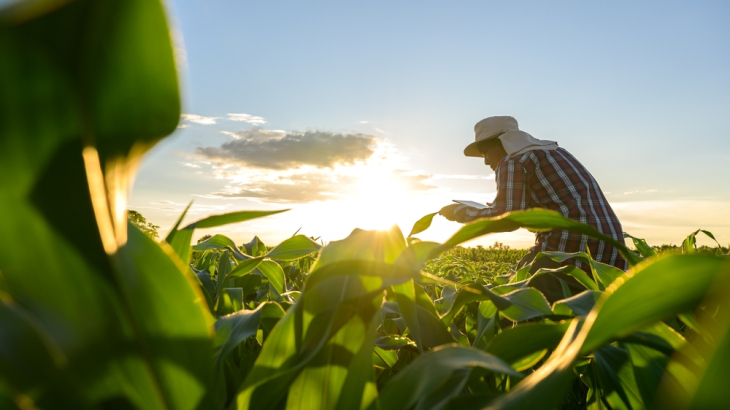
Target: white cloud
{"points": [[182, 126], [648, 191], [290, 167], [313, 184], [259, 148], [199, 119], [190, 164], [178, 207], [247, 118], [364, 122]]}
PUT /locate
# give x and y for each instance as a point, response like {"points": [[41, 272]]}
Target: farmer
{"points": [[532, 173]]}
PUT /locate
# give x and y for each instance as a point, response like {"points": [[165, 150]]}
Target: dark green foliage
{"points": [[147, 228]]}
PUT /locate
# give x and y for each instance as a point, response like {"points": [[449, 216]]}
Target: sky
{"points": [[356, 114]]}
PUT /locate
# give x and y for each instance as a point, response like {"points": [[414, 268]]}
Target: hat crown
{"points": [[491, 126]]}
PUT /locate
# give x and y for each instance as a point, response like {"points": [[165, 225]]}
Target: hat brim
{"points": [[472, 150]]}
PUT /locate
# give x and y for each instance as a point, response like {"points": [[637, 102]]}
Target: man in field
{"points": [[532, 173]]}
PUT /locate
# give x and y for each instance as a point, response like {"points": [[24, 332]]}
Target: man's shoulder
{"points": [[559, 154], [534, 156], [537, 157]]}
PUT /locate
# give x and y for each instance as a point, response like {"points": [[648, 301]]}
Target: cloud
{"points": [[648, 191], [313, 185], [275, 150], [291, 188], [190, 164], [364, 122], [178, 207], [410, 181], [247, 118], [199, 119]]}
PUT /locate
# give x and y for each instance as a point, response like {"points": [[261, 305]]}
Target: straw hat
{"points": [[487, 129], [506, 129]]}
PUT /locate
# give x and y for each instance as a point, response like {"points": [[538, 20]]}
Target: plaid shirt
{"points": [[555, 180]]}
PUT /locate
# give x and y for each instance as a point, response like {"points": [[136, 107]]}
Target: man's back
{"points": [[555, 180]]}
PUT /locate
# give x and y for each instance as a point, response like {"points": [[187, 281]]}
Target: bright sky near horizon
{"points": [[356, 114]]}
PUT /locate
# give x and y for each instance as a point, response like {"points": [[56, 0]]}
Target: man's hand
{"points": [[454, 212]]}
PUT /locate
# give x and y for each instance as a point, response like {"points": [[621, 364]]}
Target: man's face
{"points": [[493, 152]]}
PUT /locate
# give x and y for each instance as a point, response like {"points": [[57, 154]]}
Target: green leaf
{"points": [[273, 272], [544, 388], [648, 366], [518, 305], [294, 248], [422, 224], [245, 267], [577, 273], [640, 244], [231, 217], [354, 279], [650, 292], [358, 389], [166, 308], [181, 239], [173, 231], [486, 323], [392, 342], [386, 358], [534, 219], [711, 392], [659, 337], [255, 247], [27, 352], [220, 241], [424, 374], [616, 378], [234, 329], [376, 246], [207, 286], [690, 242], [321, 348], [224, 267], [655, 291], [341, 374], [578, 305], [405, 296], [230, 301], [86, 88], [181, 243], [416, 254], [603, 273], [432, 330], [517, 343]]}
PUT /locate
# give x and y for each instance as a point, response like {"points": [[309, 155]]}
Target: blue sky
{"points": [[639, 93]]}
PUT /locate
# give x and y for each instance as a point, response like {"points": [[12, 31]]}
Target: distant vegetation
{"points": [[141, 223]]}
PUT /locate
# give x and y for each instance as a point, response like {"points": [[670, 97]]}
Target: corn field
{"points": [[94, 314]]}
